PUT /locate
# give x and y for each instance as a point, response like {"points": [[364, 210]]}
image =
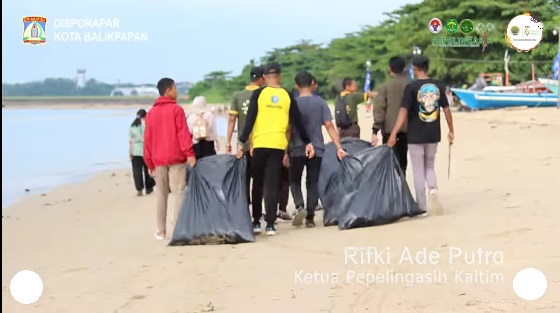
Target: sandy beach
{"points": [[92, 243]]}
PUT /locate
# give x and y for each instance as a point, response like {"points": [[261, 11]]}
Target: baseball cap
{"points": [[273, 68], [257, 72], [420, 61]]}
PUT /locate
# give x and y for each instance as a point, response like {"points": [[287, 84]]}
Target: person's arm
{"points": [[148, 142], [380, 110], [183, 133], [252, 112], [446, 111], [329, 125], [233, 114], [406, 105], [295, 119]]}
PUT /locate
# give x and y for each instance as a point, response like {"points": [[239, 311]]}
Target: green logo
{"points": [[452, 25], [466, 26]]}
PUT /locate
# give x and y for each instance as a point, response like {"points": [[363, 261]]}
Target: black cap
{"points": [[273, 68], [257, 72], [420, 61]]}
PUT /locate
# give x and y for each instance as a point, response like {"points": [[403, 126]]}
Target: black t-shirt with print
{"points": [[423, 99]]}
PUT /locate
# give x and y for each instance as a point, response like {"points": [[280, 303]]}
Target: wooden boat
{"points": [[481, 100], [531, 86], [551, 84]]}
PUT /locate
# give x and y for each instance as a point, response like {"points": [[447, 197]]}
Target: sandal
{"points": [[159, 236]]}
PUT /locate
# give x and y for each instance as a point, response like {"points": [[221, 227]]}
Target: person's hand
{"points": [[152, 173], [374, 140], [372, 94], [286, 160], [228, 148], [309, 151], [191, 161], [451, 137], [240, 152], [251, 151], [340, 153], [392, 140]]}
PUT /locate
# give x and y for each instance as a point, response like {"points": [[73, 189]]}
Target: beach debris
{"points": [[208, 308], [113, 175], [27, 190], [43, 195], [138, 297]]}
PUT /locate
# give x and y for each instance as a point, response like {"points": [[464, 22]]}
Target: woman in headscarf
{"points": [[142, 178], [203, 129]]}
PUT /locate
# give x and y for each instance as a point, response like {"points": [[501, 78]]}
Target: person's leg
{"points": [[297, 164], [248, 175], [431, 179], [162, 193], [272, 181], [401, 151], [149, 180], [284, 194], [417, 156], [177, 182], [137, 175], [313, 169], [258, 164]]}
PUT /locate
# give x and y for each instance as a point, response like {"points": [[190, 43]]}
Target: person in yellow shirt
{"points": [[272, 109]]}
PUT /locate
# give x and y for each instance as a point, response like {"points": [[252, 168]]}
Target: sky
{"points": [[185, 39]]}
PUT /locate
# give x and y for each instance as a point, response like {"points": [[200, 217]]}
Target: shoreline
{"points": [[92, 242]]}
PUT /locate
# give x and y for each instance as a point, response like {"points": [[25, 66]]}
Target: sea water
{"points": [[44, 148]]}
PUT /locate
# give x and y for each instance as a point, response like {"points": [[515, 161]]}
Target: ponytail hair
{"points": [[139, 116]]}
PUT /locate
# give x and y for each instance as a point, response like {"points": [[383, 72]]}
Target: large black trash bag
{"points": [[327, 180], [214, 208]]}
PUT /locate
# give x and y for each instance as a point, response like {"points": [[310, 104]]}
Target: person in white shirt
{"points": [[202, 126]]}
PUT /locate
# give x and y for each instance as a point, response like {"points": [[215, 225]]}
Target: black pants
{"points": [[400, 149], [140, 174], [257, 193], [204, 148], [266, 167], [313, 167]]}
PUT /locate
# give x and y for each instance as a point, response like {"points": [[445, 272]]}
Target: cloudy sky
{"points": [[186, 38]]}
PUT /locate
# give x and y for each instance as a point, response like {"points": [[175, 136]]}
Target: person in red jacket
{"points": [[167, 148]]}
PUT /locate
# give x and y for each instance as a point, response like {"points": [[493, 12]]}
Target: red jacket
{"points": [[167, 139]]}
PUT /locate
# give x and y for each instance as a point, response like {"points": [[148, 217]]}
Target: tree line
{"points": [[396, 36]]}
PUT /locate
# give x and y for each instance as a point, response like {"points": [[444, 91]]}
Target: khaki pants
{"points": [[172, 177]]}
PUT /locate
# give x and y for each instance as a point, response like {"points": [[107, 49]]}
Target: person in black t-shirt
{"points": [[421, 103]]}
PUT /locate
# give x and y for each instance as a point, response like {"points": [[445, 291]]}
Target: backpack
{"points": [[201, 128], [340, 114]]}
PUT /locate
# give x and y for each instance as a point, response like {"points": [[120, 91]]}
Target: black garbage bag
{"points": [[214, 208], [369, 189], [327, 180]]}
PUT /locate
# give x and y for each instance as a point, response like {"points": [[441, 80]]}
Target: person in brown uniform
{"points": [[386, 109], [347, 117]]}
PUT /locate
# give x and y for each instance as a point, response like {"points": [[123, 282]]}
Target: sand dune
{"points": [[93, 246]]}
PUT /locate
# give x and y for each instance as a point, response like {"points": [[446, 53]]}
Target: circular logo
{"points": [[452, 25], [274, 99], [524, 33], [530, 284], [435, 25], [26, 287], [466, 26]]}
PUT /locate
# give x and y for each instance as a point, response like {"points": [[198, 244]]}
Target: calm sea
{"points": [[44, 148]]}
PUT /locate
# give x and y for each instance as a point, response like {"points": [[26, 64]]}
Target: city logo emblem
{"points": [[435, 25], [274, 99], [484, 30], [34, 30], [466, 26], [528, 37], [452, 26]]}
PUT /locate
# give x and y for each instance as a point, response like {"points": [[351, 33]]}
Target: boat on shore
{"points": [[481, 100], [551, 84]]}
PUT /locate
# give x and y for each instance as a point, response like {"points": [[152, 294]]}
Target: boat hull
{"points": [[481, 100], [551, 84]]}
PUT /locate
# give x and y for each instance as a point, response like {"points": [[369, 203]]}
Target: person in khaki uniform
{"points": [[168, 148], [352, 98], [386, 109]]}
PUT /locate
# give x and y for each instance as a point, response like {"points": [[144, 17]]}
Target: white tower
{"points": [[81, 79]]}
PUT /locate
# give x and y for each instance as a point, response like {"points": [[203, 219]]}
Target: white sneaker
{"points": [[435, 205]]}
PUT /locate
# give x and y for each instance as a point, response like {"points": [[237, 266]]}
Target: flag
{"points": [[556, 66], [411, 71], [367, 85]]}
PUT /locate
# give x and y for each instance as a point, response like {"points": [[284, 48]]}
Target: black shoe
{"points": [[149, 191], [270, 230], [309, 223], [139, 193]]}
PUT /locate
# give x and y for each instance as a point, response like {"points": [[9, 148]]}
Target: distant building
{"points": [[81, 78], [146, 90]]}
